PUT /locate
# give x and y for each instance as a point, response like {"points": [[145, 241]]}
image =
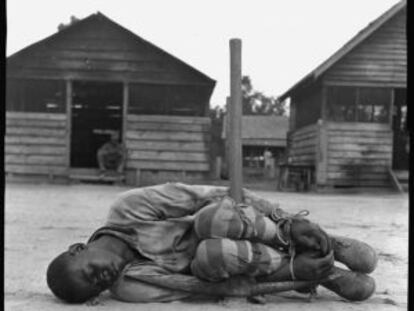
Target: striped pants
{"points": [[235, 240]]}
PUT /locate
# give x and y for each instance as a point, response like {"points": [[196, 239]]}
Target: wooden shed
{"points": [[348, 116], [261, 133], [67, 92]]}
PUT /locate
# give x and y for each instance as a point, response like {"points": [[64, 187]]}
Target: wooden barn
{"points": [[261, 133], [67, 92], [348, 116]]}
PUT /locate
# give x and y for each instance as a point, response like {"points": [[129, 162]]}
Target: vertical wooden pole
{"points": [[292, 113], [324, 107], [321, 153], [68, 122], [227, 141], [235, 147], [125, 100], [391, 107], [391, 123], [321, 143]]}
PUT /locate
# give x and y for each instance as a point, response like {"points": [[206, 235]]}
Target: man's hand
{"points": [[312, 267], [308, 236]]}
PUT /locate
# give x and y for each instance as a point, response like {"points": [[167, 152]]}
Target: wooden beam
{"points": [[36, 132], [37, 123], [166, 145], [395, 84], [227, 135], [68, 121], [158, 165], [125, 101], [30, 140], [169, 119], [35, 116], [391, 112], [35, 169], [235, 147], [158, 126], [102, 75], [292, 115], [167, 135], [324, 103], [321, 154], [171, 156]]}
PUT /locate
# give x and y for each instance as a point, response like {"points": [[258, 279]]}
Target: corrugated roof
{"points": [[347, 47], [258, 127], [265, 127]]}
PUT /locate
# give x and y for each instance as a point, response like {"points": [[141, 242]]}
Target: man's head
{"points": [[82, 272], [114, 136]]}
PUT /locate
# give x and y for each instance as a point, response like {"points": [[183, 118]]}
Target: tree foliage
{"points": [[256, 103], [73, 20]]}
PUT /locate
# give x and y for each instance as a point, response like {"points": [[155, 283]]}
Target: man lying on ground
{"points": [[175, 241]]}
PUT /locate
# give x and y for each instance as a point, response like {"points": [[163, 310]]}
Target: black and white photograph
{"points": [[206, 155]]}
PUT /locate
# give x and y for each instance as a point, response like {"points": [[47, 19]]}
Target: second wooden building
{"points": [[348, 116]]}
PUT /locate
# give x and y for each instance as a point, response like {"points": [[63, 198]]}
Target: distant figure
{"points": [[111, 156], [269, 163], [407, 144]]}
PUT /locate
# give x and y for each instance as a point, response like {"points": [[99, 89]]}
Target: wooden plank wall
{"points": [[35, 143], [359, 154], [168, 143], [99, 49], [380, 60], [302, 145]]}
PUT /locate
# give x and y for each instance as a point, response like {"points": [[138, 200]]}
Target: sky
{"points": [[282, 40]]}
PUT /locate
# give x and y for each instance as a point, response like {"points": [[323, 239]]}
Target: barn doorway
{"points": [[400, 157], [96, 112]]}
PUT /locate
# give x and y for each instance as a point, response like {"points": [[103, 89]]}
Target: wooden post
{"points": [[292, 115], [227, 141], [235, 147], [321, 153], [391, 111], [357, 96], [125, 100], [217, 167], [324, 103], [321, 143], [68, 122]]}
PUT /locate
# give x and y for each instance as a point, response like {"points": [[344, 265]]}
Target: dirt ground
{"points": [[43, 219]]}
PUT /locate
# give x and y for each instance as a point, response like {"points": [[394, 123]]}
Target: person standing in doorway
{"points": [[268, 163]]}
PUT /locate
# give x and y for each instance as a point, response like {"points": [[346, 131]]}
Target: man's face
{"points": [[114, 137], [93, 270]]}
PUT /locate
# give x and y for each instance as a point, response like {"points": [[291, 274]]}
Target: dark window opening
{"points": [[31, 95], [308, 108], [373, 105], [96, 113], [155, 99], [341, 103], [365, 104]]}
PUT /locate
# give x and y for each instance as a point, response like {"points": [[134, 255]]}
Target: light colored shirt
{"points": [[158, 223]]}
